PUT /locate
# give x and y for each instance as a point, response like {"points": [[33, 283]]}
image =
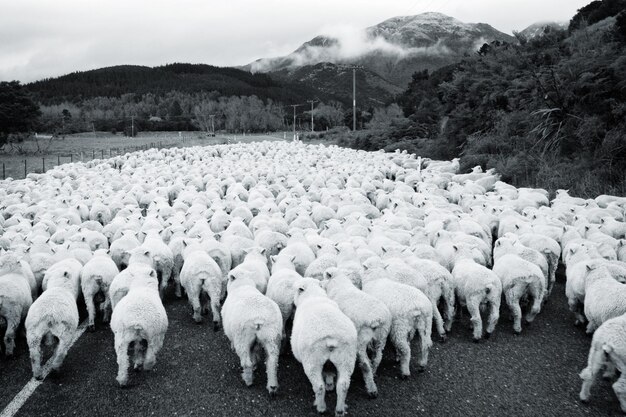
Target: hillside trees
{"points": [[19, 114]]}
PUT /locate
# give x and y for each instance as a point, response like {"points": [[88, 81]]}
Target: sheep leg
{"points": [[244, 343], [121, 350], [378, 346], [344, 371], [34, 347], [366, 369], [272, 350], [449, 305], [513, 302], [588, 375], [61, 351], [313, 371], [473, 306], [619, 387], [610, 371], [154, 345], [591, 326], [193, 295], [165, 278], [438, 321], [577, 308], [106, 308], [138, 355], [13, 322], [400, 339], [91, 311], [494, 315], [214, 289], [424, 328], [538, 295]]}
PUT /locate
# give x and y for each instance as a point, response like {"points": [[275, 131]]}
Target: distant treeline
{"points": [[549, 111]]}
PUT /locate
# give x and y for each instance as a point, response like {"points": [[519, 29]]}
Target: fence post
{"points": [[72, 157], [102, 152], [4, 175], [43, 164], [58, 159], [24, 168]]}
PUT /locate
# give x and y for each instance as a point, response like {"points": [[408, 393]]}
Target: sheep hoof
{"points": [[477, 340], [517, 332], [91, 328], [216, 326], [584, 400], [421, 369], [443, 338], [39, 377], [273, 390], [340, 413], [487, 335], [372, 395], [404, 377], [198, 320]]}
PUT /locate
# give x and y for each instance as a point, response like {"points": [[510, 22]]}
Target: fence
{"points": [[18, 168]]}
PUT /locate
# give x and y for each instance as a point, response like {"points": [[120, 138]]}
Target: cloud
{"points": [[345, 44]]}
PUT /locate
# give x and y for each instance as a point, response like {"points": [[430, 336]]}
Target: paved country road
{"points": [[535, 374]]}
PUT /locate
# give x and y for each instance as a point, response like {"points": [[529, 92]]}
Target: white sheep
{"points": [[140, 320], [253, 322], [322, 333], [254, 267], [15, 300], [520, 280], [608, 350], [201, 274], [121, 249], [54, 313], [410, 310], [95, 278], [121, 283], [156, 253], [475, 285], [370, 316], [605, 298]]}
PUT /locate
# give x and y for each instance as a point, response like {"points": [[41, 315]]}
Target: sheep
{"points": [[96, 277], [604, 297], [122, 248], [520, 279], [476, 285], [410, 310], [253, 321], [161, 256], [54, 313], [254, 267], [608, 349], [280, 286], [201, 274], [371, 318], [10, 263], [15, 300], [322, 333], [65, 273], [121, 282], [139, 321]]}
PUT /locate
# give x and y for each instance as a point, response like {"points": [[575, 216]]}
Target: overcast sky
{"points": [[53, 37]]}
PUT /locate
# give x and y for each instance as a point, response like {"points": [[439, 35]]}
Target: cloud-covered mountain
{"points": [[539, 28], [394, 49]]}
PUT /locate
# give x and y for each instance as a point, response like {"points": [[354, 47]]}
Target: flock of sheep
{"points": [[343, 249]]}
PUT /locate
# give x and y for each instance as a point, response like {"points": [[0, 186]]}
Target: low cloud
{"points": [[346, 44]]}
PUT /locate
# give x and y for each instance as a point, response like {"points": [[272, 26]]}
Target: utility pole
{"points": [[212, 125], [294, 119], [354, 68], [132, 126], [311, 101]]}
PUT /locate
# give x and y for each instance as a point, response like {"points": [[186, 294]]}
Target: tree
{"points": [[18, 112]]}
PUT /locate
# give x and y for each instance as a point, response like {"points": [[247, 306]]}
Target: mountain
{"points": [[394, 49], [539, 28], [328, 78], [188, 78]]}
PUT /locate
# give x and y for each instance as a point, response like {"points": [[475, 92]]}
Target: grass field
{"points": [[87, 146]]}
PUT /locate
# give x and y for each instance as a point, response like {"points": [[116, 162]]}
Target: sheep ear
{"points": [[66, 274], [382, 248], [27, 249], [517, 226], [153, 273], [217, 236], [262, 251], [147, 252], [293, 258], [184, 243], [83, 239], [589, 268], [328, 275], [602, 220], [455, 247]]}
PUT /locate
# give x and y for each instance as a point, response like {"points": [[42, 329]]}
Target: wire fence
{"points": [[18, 167]]}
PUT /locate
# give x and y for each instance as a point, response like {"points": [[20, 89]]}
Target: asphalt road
{"points": [[535, 374]]}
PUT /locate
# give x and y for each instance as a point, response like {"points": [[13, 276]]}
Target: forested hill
{"points": [[548, 111], [186, 78]]}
